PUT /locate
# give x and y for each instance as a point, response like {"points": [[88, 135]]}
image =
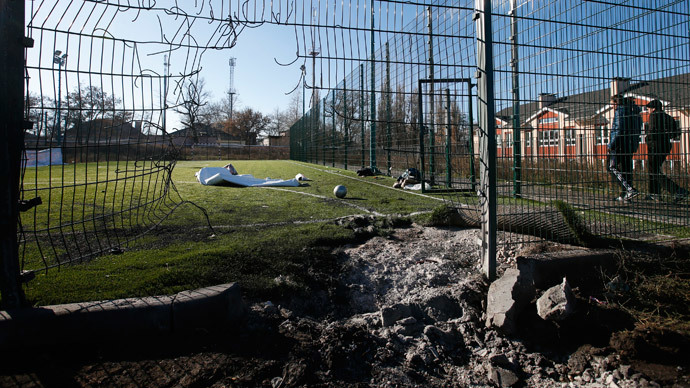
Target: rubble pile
{"points": [[417, 313]]}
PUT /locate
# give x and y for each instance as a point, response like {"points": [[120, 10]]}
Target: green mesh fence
{"points": [[409, 99]]}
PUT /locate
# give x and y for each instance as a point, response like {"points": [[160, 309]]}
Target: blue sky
{"points": [[563, 59], [259, 81]]}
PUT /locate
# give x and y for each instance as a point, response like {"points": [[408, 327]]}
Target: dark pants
{"points": [[657, 179], [621, 166]]}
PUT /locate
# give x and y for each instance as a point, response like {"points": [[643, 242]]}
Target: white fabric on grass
{"points": [[211, 176]]}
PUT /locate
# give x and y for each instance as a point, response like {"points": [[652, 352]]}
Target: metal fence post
{"points": [[470, 145], [487, 137], [333, 129], [345, 123], [432, 109], [323, 137], [517, 138], [11, 146], [361, 106], [448, 139], [372, 113], [303, 150], [389, 144]]}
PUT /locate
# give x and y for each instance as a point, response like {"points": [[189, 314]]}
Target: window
{"points": [[570, 137], [498, 141], [528, 140], [548, 120], [509, 140], [548, 138], [601, 135]]}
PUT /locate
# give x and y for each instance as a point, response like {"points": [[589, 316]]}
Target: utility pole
{"points": [[59, 59], [166, 71], [231, 89]]}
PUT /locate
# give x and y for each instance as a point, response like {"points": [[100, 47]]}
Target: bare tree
{"points": [[247, 124], [194, 99], [89, 103], [280, 122]]}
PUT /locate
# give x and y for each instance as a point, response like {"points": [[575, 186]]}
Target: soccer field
{"points": [[255, 235]]}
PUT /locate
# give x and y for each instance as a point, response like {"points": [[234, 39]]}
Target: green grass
{"points": [[254, 258], [260, 233], [297, 205]]}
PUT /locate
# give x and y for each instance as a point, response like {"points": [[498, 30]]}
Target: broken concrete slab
{"points": [[547, 269], [506, 298], [557, 303]]}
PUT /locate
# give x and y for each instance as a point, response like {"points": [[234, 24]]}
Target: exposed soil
{"points": [[403, 310]]}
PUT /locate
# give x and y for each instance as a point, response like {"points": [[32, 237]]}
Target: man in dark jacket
{"points": [[623, 143], [662, 128]]}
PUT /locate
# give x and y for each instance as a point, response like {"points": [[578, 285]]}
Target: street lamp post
{"points": [[60, 59]]}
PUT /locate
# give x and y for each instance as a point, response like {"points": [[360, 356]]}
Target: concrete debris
{"points": [[502, 377], [506, 299], [557, 303]]}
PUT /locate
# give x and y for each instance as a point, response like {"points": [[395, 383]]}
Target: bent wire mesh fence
{"points": [[383, 84], [412, 101], [98, 161]]}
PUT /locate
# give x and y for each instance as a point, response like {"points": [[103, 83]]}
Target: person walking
{"points": [[623, 143], [662, 128]]}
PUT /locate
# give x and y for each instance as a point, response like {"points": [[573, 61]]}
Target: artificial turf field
{"points": [[257, 234]]}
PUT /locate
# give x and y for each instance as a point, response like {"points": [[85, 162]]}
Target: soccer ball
{"points": [[340, 191]]}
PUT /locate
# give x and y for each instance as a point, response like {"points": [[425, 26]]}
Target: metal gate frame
{"points": [[422, 128]]}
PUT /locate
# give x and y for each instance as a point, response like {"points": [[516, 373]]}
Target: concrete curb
{"points": [[548, 269], [208, 307]]}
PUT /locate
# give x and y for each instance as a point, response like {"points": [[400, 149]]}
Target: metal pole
{"points": [[345, 123], [59, 97], [314, 107], [470, 146], [333, 130], [517, 141], [372, 135], [165, 90], [388, 108], [304, 129], [421, 132], [432, 135], [361, 106], [11, 147], [323, 137], [448, 139], [487, 144]]}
